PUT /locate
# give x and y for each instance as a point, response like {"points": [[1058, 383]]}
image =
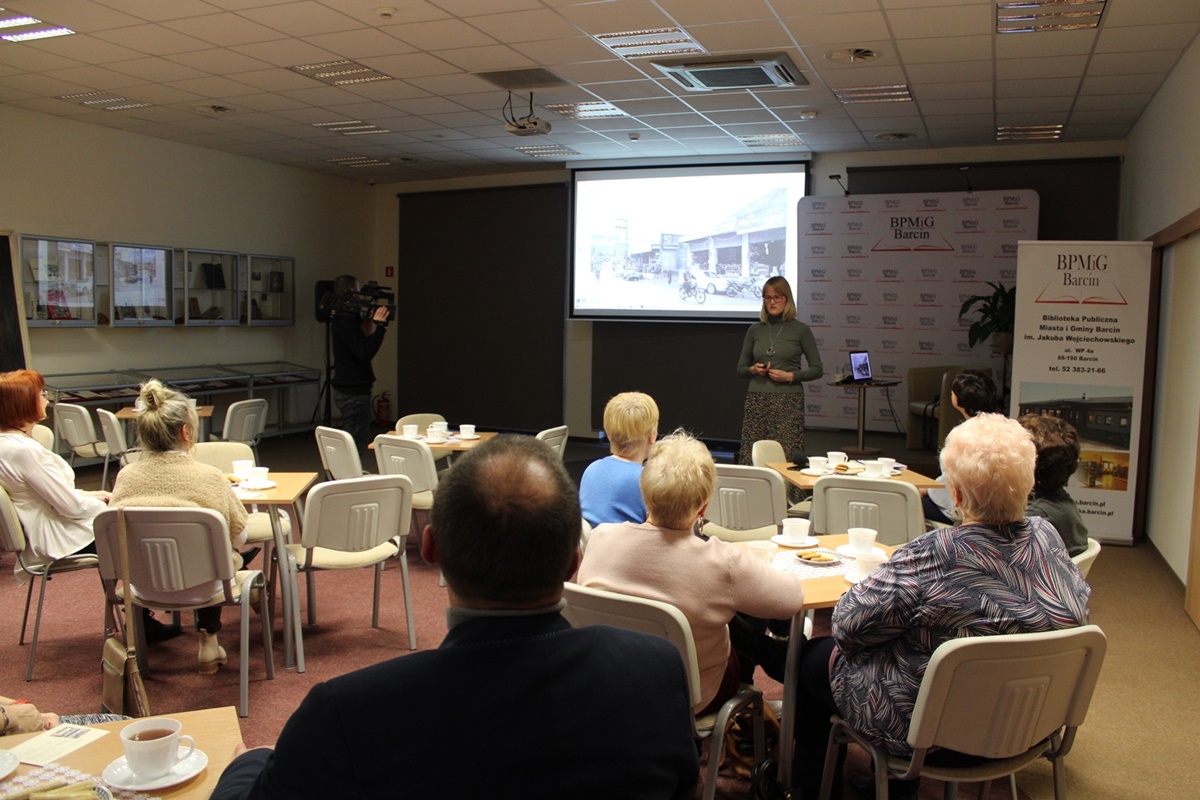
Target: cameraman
{"points": [[355, 342]]}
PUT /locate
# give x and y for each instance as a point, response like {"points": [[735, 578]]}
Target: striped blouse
{"points": [[973, 580]]}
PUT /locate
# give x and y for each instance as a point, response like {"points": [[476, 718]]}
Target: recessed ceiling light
{"points": [[895, 136], [546, 150], [851, 55], [591, 110], [105, 101], [808, 115], [340, 73], [895, 93], [359, 161], [17, 22], [1028, 132], [1033, 16], [126, 106], [771, 140], [45, 33], [650, 42]]}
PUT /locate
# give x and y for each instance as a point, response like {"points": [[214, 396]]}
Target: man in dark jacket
{"points": [[355, 342]]}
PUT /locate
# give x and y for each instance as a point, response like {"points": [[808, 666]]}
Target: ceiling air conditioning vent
{"points": [[758, 71]]}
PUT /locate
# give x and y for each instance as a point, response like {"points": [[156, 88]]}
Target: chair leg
{"points": [[310, 579], [1060, 779], [37, 624], [408, 608], [985, 790], [297, 628], [375, 603], [1012, 785], [265, 606], [244, 666], [950, 790], [104, 476], [28, 598]]}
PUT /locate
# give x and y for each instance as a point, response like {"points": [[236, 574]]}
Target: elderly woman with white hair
{"points": [[712, 582], [996, 573]]}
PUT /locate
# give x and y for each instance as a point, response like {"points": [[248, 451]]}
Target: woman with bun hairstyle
{"points": [[166, 476]]}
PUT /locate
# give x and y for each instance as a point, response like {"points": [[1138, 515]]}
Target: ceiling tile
{"points": [[485, 59], [159, 69], [961, 90], [83, 16], [409, 65], [1146, 37], [219, 61], [732, 37], [1007, 105], [845, 29], [525, 26], [440, 35], [1149, 13], [1059, 67], [1047, 44], [1121, 84], [704, 12], [948, 49], [616, 16], [154, 40], [302, 18], [1157, 62], [224, 29], [966, 71], [1052, 87], [472, 8]]}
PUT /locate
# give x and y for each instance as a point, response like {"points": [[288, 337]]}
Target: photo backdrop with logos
{"points": [[888, 274], [1079, 354]]}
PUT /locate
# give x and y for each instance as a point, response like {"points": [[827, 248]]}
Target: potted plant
{"points": [[997, 315]]}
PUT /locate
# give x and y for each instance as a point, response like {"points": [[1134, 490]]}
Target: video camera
{"points": [[360, 304]]}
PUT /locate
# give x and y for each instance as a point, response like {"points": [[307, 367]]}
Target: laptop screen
{"points": [[860, 366]]}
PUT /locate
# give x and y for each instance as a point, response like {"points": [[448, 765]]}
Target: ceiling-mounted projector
{"points": [[527, 126]]}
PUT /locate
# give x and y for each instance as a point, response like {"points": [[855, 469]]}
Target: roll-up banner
{"points": [[1079, 354]]}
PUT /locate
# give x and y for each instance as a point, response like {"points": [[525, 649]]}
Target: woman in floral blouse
{"points": [[996, 573]]}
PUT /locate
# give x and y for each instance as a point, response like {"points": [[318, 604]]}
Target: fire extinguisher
{"points": [[383, 410]]}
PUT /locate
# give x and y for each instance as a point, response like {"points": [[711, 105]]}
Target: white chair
{"points": [[222, 455], [891, 508], [12, 539], [350, 524], [1085, 559], [114, 438], [175, 556], [588, 606], [339, 454], [245, 422], [74, 426], [396, 455], [44, 436], [769, 451], [556, 438], [1011, 699], [748, 503]]}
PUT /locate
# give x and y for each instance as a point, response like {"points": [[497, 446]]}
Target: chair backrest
{"points": [[556, 438], [396, 455], [245, 421], [12, 532], [74, 425], [170, 549], [767, 451], [588, 606], [339, 453], [44, 436], [420, 420], [1085, 559], [997, 696], [747, 503], [114, 432], [222, 454], [891, 507], [357, 514]]}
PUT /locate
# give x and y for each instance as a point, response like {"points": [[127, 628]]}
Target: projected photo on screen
{"points": [[682, 242]]}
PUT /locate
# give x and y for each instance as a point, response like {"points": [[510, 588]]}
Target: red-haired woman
{"points": [[56, 516]]}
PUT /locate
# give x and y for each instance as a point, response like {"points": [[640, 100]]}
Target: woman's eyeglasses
{"points": [[45, 393], [771, 298]]}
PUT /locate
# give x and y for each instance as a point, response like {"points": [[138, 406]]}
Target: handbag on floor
{"points": [[122, 691]]}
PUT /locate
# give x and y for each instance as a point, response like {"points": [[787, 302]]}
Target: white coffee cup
{"points": [[435, 434], [152, 747], [818, 463], [862, 540], [466, 431], [409, 430], [836, 457], [889, 464], [439, 426], [242, 467], [762, 550], [795, 529], [257, 476], [866, 564], [192, 403], [873, 469]]}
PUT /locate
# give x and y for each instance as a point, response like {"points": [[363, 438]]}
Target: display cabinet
{"points": [[283, 376], [271, 299], [111, 387], [213, 287], [58, 281], [199, 381], [140, 285]]}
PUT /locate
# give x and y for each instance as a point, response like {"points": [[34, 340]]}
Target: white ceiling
{"points": [[445, 121]]}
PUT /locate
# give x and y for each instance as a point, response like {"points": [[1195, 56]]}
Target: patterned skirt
{"points": [[773, 415]]}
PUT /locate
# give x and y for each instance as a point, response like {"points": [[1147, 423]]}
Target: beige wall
{"points": [[1161, 184], [64, 178]]}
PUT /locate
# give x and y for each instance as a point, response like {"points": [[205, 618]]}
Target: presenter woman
{"points": [[772, 360]]}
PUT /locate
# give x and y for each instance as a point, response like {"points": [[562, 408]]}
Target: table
{"points": [[289, 491], [452, 445], [862, 412], [215, 730], [128, 414], [797, 478], [818, 593]]}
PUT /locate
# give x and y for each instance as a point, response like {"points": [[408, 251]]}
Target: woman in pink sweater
{"points": [[710, 581]]}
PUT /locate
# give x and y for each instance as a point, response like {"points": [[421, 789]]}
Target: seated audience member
{"points": [[515, 702], [166, 476], [710, 581], [21, 716], [996, 573], [609, 491], [971, 392], [1057, 459]]}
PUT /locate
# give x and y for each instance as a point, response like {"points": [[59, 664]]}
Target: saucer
{"points": [[119, 776], [814, 473], [466, 438], [256, 486], [845, 550], [780, 539], [434, 442], [8, 764]]}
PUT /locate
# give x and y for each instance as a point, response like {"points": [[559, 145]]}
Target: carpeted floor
{"points": [[1137, 743]]}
